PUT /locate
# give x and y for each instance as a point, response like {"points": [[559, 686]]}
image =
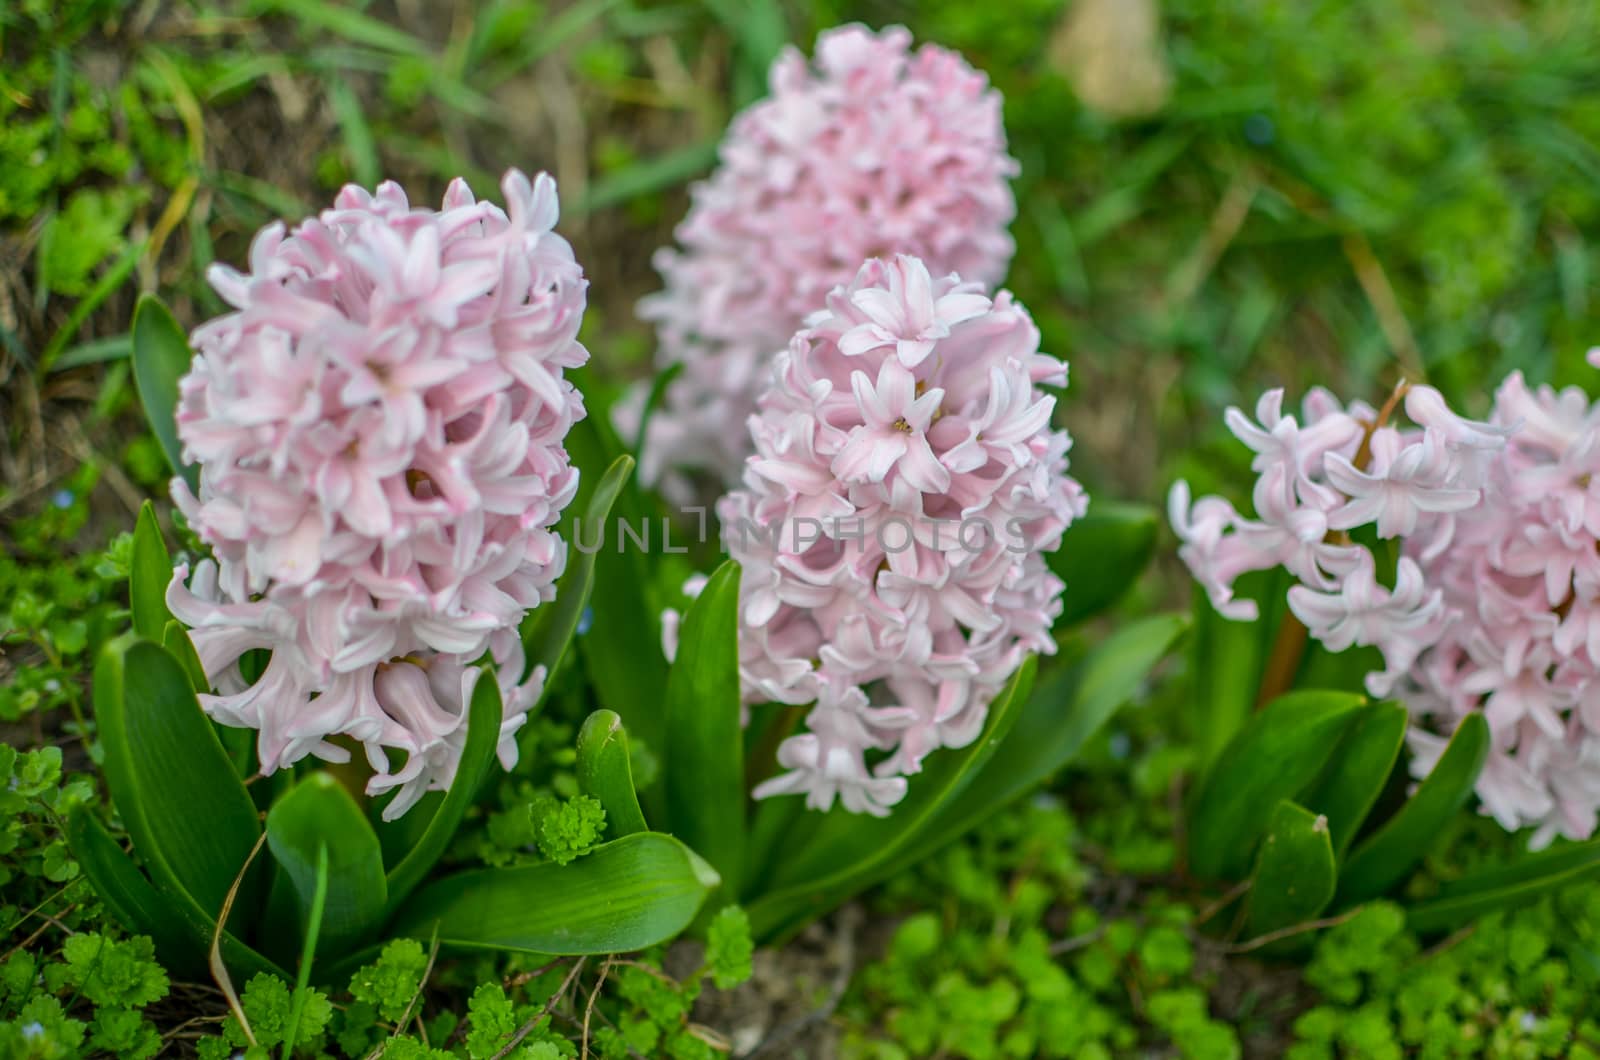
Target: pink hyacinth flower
{"points": [[873, 149], [891, 528], [378, 425], [1496, 600]]}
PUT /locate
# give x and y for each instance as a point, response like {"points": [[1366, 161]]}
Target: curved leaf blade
{"points": [[1389, 854], [626, 895], [849, 851], [605, 773], [161, 357], [1349, 788], [1101, 555], [140, 908], [1229, 658], [1295, 872], [548, 631], [175, 639], [148, 574], [180, 929], [1521, 882], [189, 815], [626, 665], [1277, 755], [1062, 715], [704, 753], [484, 715], [318, 819]]}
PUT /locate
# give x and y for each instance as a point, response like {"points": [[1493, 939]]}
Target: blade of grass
{"points": [[113, 278], [346, 22], [358, 140], [644, 178], [308, 952], [95, 351]]}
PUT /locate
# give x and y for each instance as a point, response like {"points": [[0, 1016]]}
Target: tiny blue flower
{"points": [[1259, 130]]}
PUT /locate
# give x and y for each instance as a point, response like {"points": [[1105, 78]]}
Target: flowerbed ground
{"points": [[1236, 202]]}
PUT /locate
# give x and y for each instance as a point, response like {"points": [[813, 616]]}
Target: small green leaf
{"points": [[149, 572], [626, 895], [704, 754], [1277, 755], [1493, 890], [548, 630], [1295, 872], [1384, 858], [1350, 786], [729, 948], [605, 773], [849, 851], [318, 814], [1101, 555], [161, 357], [484, 716], [190, 817]]}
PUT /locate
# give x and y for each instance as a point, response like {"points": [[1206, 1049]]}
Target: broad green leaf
{"points": [[1295, 871], [628, 894], [1384, 858], [1228, 659], [161, 357], [180, 930], [548, 630], [316, 816], [149, 572], [176, 640], [190, 816], [605, 773], [1361, 764], [1101, 555], [484, 716], [849, 851], [1277, 755], [400, 836], [1493, 890], [704, 753], [140, 908], [623, 657], [1064, 712]]}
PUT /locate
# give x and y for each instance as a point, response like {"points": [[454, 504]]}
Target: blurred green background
{"points": [[1216, 195]]}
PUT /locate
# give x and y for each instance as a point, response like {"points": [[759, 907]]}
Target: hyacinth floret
{"points": [[892, 526], [1495, 601], [378, 424], [874, 150]]}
